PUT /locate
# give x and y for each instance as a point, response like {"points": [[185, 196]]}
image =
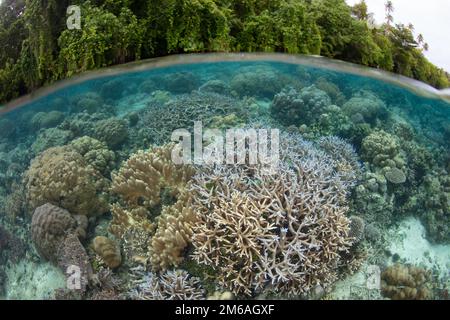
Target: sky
{"points": [[429, 17]]}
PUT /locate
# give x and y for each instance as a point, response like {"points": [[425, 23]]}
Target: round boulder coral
{"points": [[62, 177], [292, 107]]}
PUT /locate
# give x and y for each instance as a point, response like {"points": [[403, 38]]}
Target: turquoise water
{"points": [[363, 179]]}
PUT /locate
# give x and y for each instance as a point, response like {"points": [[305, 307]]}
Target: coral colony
{"points": [[292, 180]]}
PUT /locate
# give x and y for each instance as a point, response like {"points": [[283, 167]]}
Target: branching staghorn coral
{"points": [[159, 120], [283, 232], [145, 183], [344, 155], [170, 285]]}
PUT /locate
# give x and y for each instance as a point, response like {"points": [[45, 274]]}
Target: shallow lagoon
{"points": [[363, 193]]}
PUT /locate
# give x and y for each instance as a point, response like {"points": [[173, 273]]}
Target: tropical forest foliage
{"points": [[37, 48]]}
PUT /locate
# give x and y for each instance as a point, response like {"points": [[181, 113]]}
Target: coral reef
{"points": [[108, 250], [293, 107], [382, 150], [431, 203], [400, 282], [12, 248], [264, 232], [357, 228], [7, 128], [62, 177], [90, 103], [180, 82], [372, 199], [332, 90], [344, 155], [395, 176], [49, 227], [170, 285]]}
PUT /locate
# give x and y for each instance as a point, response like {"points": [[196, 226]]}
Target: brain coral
{"points": [[400, 282], [62, 177], [292, 107], [55, 234], [49, 227], [283, 232]]}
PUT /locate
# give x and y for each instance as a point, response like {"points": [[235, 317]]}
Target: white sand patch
{"points": [[32, 281], [408, 240]]}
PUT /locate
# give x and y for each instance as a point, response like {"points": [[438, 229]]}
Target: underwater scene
{"points": [[252, 179]]}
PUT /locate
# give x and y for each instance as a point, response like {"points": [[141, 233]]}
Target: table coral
{"points": [[159, 120]]}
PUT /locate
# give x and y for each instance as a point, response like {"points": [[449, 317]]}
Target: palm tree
{"points": [[389, 7], [420, 38]]}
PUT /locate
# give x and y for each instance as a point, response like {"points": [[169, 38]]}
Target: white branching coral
{"points": [[284, 232], [170, 285]]}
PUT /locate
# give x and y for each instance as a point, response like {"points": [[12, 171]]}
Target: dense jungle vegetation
{"points": [[36, 48]]}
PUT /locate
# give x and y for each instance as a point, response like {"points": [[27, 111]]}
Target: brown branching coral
{"points": [[150, 185], [283, 232], [401, 282], [108, 250], [173, 234], [143, 177], [64, 178]]}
